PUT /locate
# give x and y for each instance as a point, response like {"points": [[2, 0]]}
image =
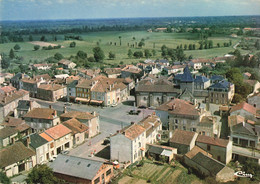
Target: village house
{"points": [[42, 118], [220, 149], [254, 100], [8, 103], [133, 139], [31, 85], [235, 119], [24, 106], [209, 126], [221, 92], [203, 163], [152, 125], [4, 77], [71, 91], [246, 110], [131, 71], [184, 141], [113, 72], [66, 64], [7, 90], [255, 84], [82, 170], [79, 130], [51, 92], [16, 159], [18, 124], [216, 79], [201, 83], [154, 93], [16, 80], [246, 135], [91, 120], [62, 138], [8, 136], [51, 146], [40, 146], [88, 73], [197, 64], [42, 66], [83, 90]]}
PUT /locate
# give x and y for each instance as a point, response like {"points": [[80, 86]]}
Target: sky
{"points": [[89, 9]]}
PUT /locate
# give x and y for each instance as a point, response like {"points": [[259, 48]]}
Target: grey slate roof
{"points": [[17, 77], [210, 164], [156, 150], [76, 166], [73, 84], [157, 88], [246, 128], [201, 79], [224, 84], [23, 105], [186, 76], [7, 131], [217, 77], [37, 141]]}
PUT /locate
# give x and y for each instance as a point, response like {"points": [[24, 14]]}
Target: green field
{"points": [[171, 40]]}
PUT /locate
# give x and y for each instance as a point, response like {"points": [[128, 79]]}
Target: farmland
{"points": [[110, 42]]}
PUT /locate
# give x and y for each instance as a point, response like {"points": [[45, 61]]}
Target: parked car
{"points": [[65, 152], [53, 158], [68, 104], [134, 112], [106, 141], [142, 107], [114, 105]]}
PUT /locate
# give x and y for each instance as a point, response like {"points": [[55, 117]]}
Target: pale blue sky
{"points": [[88, 9]]}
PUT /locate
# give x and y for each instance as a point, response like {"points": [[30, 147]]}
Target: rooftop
{"points": [[75, 126], [195, 150], [58, 131], [37, 140], [245, 106], [14, 153], [77, 167], [10, 98], [150, 123], [7, 132], [41, 113], [182, 137], [224, 84], [78, 115], [133, 131], [50, 87], [212, 141]]}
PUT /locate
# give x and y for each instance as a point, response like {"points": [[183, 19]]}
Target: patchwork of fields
{"points": [[103, 39]]}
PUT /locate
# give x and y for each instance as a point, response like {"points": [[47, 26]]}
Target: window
{"points": [[194, 129], [208, 147], [184, 127], [176, 126], [140, 144], [108, 172], [235, 140], [176, 121], [77, 138], [96, 181], [144, 98]]}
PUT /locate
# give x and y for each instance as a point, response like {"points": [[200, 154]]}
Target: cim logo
{"points": [[242, 174]]}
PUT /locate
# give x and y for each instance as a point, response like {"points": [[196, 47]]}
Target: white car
{"points": [[53, 158], [114, 105]]}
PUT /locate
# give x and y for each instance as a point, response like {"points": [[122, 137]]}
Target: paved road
{"points": [[111, 120]]}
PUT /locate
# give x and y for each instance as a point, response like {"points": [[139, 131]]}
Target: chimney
{"points": [[173, 106], [109, 87], [81, 126], [64, 109], [243, 124], [30, 105], [50, 106], [94, 113], [28, 141]]}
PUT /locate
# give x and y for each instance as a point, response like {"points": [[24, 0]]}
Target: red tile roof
{"points": [[183, 137], [213, 141], [133, 131], [50, 87], [8, 89], [196, 150], [243, 105], [78, 115], [58, 131]]}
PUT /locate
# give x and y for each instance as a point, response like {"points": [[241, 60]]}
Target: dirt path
{"points": [[44, 44]]}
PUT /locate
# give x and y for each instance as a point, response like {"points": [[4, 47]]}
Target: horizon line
{"points": [[106, 18]]}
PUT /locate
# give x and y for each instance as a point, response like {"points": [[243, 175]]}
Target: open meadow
{"points": [[153, 40]]}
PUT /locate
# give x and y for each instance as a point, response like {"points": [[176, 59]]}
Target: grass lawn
{"points": [[152, 41], [158, 174]]}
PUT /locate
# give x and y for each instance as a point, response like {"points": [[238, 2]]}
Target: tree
{"points": [[130, 53], [81, 54], [257, 44], [17, 47], [24, 68], [185, 47], [190, 47], [138, 54], [120, 39], [141, 44], [147, 53], [73, 44], [58, 56], [210, 44], [41, 174], [11, 54], [5, 63], [43, 39], [218, 45], [111, 55], [36, 47], [91, 59], [30, 38], [204, 70], [4, 179], [98, 54]]}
